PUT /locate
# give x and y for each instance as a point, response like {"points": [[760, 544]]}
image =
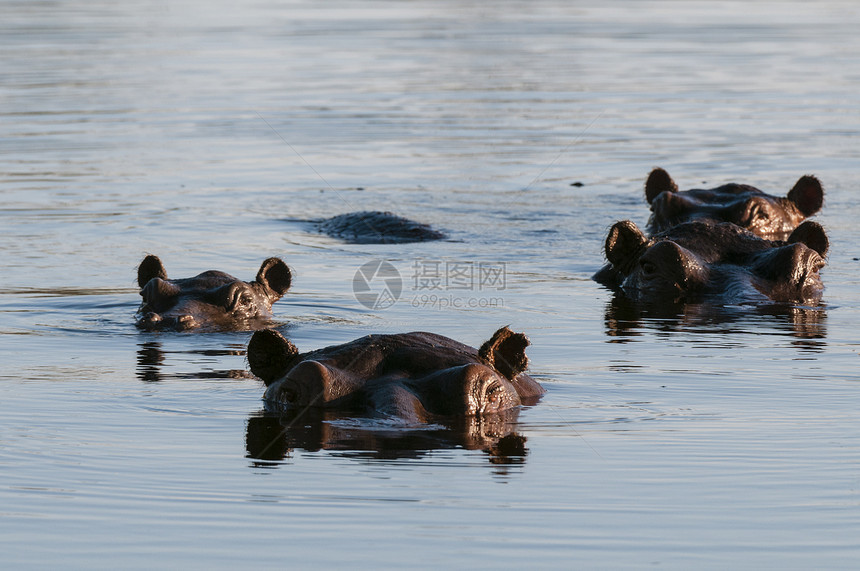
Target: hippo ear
{"points": [[506, 352], [807, 195], [623, 243], [270, 355], [658, 181], [275, 275], [150, 267], [812, 234]]}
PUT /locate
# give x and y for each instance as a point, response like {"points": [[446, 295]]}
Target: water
{"points": [[201, 132]]}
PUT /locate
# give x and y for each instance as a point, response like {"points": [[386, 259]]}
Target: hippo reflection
{"points": [[707, 260], [272, 437], [151, 366], [767, 216], [211, 300], [626, 318], [413, 377], [373, 227]]}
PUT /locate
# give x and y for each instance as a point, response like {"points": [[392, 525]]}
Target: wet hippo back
{"points": [[374, 227]]}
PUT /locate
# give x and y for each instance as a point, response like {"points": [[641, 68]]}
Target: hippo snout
{"points": [[305, 384], [153, 320], [311, 383], [149, 320]]}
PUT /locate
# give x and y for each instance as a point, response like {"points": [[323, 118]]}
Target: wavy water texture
{"points": [[684, 437]]}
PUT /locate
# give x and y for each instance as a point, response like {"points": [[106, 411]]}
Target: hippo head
{"points": [[767, 216], [699, 259], [409, 376], [211, 300], [651, 269]]}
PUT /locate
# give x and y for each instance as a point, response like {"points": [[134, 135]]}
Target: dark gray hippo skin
{"points": [[714, 261], [211, 300], [767, 216], [374, 227], [413, 377]]}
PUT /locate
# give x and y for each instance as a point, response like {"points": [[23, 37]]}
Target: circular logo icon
{"points": [[377, 285]]}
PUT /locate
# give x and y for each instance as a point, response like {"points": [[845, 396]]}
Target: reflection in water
{"points": [[150, 358], [271, 437], [626, 318], [150, 362]]}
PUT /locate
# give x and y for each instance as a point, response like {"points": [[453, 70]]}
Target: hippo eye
{"points": [[493, 392], [240, 298], [231, 298], [648, 268], [756, 212]]}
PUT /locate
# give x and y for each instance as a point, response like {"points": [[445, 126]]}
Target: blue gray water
{"points": [[203, 132]]}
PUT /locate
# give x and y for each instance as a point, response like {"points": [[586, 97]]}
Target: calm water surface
{"points": [[206, 132]]}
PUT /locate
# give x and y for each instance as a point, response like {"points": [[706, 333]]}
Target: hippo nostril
{"points": [[184, 322], [150, 320]]}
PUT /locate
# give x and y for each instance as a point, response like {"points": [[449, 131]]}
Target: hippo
{"points": [[211, 300], [706, 260], [767, 216], [374, 227], [412, 377]]}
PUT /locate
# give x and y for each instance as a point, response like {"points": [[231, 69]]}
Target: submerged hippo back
{"points": [[373, 227]]}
